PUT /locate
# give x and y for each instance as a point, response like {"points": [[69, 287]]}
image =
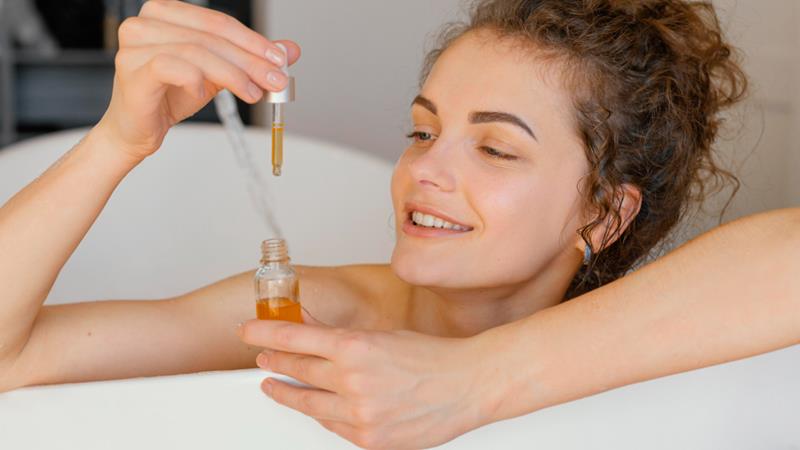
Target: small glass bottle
{"points": [[277, 287]]}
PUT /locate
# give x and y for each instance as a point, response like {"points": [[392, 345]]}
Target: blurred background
{"points": [[359, 71]]}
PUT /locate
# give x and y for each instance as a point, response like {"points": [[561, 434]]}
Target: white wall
{"points": [[766, 147], [362, 57], [358, 73]]}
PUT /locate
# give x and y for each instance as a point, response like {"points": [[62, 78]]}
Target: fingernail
{"points": [[239, 329], [261, 361], [275, 56], [277, 79], [254, 91], [266, 386]]}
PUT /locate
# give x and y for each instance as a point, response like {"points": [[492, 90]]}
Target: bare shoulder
{"points": [[358, 296]]}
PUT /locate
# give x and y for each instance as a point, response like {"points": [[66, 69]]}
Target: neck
{"points": [[466, 312]]}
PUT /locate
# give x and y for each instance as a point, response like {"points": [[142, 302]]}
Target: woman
{"points": [[554, 144]]}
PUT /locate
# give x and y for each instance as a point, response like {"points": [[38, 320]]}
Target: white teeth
{"points": [[427, 220]]}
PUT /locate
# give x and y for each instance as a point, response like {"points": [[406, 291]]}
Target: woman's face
{"points": [[494, 154]]}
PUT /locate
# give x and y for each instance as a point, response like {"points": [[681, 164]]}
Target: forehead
{"points": [[480, 71]]}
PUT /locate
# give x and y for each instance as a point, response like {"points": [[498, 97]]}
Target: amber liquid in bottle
{"points": [[279, 309]]}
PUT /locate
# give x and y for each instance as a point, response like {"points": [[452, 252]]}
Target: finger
{"points": [[215, 69], [311, 402], [291, 337], [223, 25], [311, 370], [137, 31], [292, 49]]}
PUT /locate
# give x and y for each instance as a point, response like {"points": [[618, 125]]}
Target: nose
{"points": [[434, 168]]}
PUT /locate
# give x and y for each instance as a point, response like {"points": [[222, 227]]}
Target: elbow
{"points": [[6, 380], [9, 377]]}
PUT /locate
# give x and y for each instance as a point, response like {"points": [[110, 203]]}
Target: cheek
{"points": [[530, 219], [516, 214]]}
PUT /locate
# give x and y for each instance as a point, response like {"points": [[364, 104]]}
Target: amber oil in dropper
{"points": [[276, 283], [277, 148]]}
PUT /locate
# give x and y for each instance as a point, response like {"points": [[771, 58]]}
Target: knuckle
{"points": [[366, 415], [302, 366], [257, 66], [354, 383], [305, 401], [129, 28], [276, 361], [283, 337], [218, 21], [151, 7]]}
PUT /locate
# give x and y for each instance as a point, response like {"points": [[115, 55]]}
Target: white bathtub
{"points": [[183, 219]]}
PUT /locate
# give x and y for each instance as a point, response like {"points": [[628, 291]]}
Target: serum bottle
{"points": [[277, 286]]}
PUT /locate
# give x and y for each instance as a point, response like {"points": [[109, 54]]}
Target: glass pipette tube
{"points": [[277, 139]]}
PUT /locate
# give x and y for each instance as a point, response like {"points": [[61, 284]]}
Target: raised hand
{"points": [[173, 59]]}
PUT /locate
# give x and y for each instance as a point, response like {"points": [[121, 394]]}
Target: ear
{"points": [[628, 199]]}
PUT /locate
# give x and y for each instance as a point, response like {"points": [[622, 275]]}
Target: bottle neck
{"points": [[274, 264], [274, 252]]}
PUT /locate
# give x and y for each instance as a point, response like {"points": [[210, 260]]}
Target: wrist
{"points": [[104, 144], [509, 373]]}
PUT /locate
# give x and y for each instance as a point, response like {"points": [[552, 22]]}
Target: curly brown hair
{"points": [[649, 79]]}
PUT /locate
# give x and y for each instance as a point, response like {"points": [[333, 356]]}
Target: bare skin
{"points": [[455, 300], [173, 58]]}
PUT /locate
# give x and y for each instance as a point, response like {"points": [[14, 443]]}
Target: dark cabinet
{"points": [[41, 93]]}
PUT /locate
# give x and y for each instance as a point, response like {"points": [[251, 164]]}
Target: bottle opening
{"points": [[274, 250]]}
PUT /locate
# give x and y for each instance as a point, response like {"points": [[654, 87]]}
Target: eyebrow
{"points": [[480, 116]]}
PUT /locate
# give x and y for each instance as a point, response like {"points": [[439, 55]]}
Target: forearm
{"points": [[42, 225], [732, 293]]}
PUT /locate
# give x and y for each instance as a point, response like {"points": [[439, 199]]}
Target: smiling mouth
{"points": [[424, 220]]}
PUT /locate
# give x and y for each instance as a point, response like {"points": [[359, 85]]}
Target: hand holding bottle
{"points": [[378, 389], [173, 59]]}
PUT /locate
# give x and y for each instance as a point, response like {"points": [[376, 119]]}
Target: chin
{"points": [[415, 271]]}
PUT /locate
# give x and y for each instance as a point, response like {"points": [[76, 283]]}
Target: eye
{"points": [[420, 136], [494, 153]]}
